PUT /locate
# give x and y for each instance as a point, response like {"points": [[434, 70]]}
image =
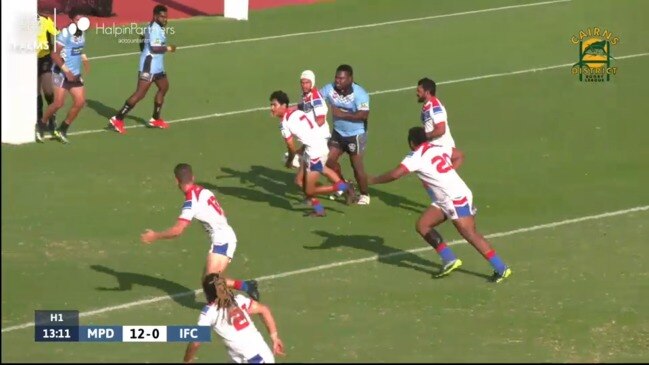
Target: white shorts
{"points": [[225, 249], [458, 207], [315, 164], [264, 356]]}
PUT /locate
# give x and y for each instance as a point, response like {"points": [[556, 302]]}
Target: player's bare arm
{"points": [[292, 151], [58, 59], [438, 131], [163, 49], [359, 116], [190, 352], [86, 63], [269, 321], [390, 176], [321, 119], [150, 236], [457, 158]]}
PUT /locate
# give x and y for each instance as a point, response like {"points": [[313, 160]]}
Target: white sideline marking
{"points": [[372, 25], [352, 262], [456, 81]]}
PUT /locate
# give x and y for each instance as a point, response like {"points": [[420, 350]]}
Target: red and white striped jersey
{"points": [[201, 204], [433, 166], [433, 113]]}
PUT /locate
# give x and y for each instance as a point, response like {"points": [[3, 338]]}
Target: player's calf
{"points": [[466, 227]]}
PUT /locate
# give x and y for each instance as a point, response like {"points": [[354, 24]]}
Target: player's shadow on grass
{"points": [[266, 185], [107, 111], [398, 201], [386, 254], [126, 280]]}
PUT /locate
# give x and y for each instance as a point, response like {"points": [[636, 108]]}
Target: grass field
{"points": [[541, 147]]}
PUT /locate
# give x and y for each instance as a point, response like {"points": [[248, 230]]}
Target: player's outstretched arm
{"points": [[390, 176], [150, 236], [269, 321], [191, 350]]}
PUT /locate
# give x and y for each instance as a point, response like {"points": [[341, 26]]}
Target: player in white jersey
{"points": [[201, 204], [296, 123], [229, 317], [453, 199], [314, 104], [435, 121]]}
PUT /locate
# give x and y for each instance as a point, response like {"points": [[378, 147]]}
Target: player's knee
{"points": [[58, 104]]}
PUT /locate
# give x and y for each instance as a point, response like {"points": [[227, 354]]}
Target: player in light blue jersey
{"points": [[350, 107], [151, 71], [68, 57]]}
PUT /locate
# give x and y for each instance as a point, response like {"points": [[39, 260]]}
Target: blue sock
{"points": [[445, 253], [317, 206], [496, 262]]}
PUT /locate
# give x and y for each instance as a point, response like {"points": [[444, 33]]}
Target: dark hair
{"points": [[280, 96], [183, 173], [428, 85], [346, 68], [159, 9], [74, 11], [209, 287], [417, 136]]}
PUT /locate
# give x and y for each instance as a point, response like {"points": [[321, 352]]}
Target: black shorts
{"points": [[59, 80], [44, 65], [149, 77], [354, 145]]}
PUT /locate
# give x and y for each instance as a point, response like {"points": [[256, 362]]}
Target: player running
{"points": [[230, 317], [453, 199], [296, 123], [312, 103], [151, 71], [201, 204], [350, 108]]}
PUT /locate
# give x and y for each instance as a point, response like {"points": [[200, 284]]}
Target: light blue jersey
{"points": [[72, 50], [357, 100], [154, 36]]}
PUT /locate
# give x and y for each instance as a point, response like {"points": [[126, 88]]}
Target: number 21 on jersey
{"points": [[443, 163]]}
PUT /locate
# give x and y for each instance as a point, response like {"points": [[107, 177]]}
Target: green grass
{"points": [[541, 147]]}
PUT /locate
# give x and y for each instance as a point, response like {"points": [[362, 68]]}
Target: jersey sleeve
{"points": [[412, 162], [62, 37], [324, 93], [206, 317], [319, 106], [361, 99], [188, 210], [285, 130], [243, 302]]}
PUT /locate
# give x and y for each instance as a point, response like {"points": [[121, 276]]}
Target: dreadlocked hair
{"points": [[224, 296]]}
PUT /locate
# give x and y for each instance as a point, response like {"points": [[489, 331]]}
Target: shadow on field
{"points": [[107, 111], [387, 255], [263, 184], [398, 201], [126, 280]]}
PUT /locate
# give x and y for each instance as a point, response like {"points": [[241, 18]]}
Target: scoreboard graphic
{"points": [[63, 326]]}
